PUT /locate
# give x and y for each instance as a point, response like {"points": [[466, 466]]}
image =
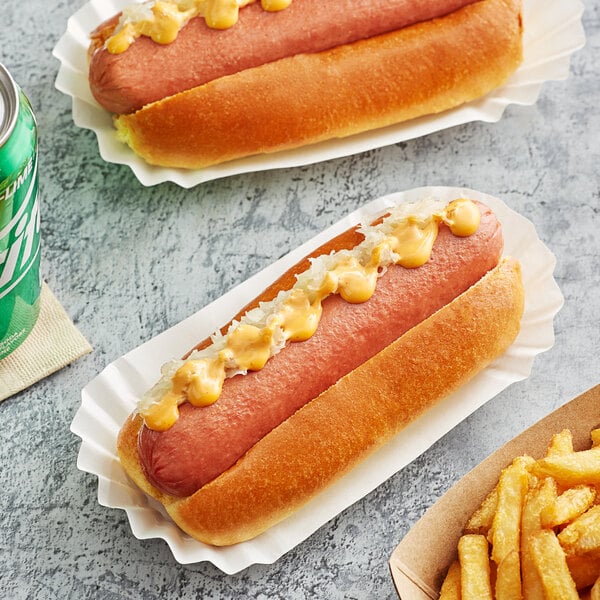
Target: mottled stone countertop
{"points": [[121, 257]]}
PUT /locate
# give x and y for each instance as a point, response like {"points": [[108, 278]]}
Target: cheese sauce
{"points": [[402, 238], [161, 20]]}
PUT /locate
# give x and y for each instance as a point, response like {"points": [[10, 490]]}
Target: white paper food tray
{"points": [[109, 398], [552, 32]]}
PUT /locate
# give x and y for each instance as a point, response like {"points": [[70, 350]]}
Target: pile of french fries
{"points": [[537, 533]]}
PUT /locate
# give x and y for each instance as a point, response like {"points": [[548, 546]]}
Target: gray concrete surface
{"points": [[128, 262]]}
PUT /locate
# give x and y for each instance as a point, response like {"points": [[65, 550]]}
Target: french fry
{"points": [[508, 577], [561, 443], [481, 520], [538, 498], [571, 469], [536, 535], [474, 567], [451, 585], [568, 506], [551, 564], [506, 525], [582, 536]]}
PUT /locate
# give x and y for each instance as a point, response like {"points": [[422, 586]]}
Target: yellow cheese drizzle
{"points": [[248, 347], [164, 19]]}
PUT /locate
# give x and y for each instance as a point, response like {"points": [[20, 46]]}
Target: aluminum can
{"points": [[20, 282]]}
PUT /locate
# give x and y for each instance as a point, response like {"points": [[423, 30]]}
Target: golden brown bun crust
{"points": [[311, 450], [422, 69], [99, 36]]}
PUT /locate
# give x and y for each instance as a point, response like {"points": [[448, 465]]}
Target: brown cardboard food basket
{"points": [[419, 563]]}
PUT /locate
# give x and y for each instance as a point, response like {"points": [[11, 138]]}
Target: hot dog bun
{"points": [[325, 439], [421, 69], [376, 365], [348, 334]]}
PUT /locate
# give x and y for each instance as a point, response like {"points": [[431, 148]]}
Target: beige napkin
{"points": [[53, 344]]}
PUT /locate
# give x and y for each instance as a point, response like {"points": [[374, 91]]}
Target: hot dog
{"points": [[123, 83], [277, 436], [311, 72]]}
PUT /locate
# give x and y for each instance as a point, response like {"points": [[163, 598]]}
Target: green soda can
{"points": [[20, 282]]}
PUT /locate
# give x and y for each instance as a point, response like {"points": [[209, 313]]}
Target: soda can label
{"points": [[20, 282]]}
